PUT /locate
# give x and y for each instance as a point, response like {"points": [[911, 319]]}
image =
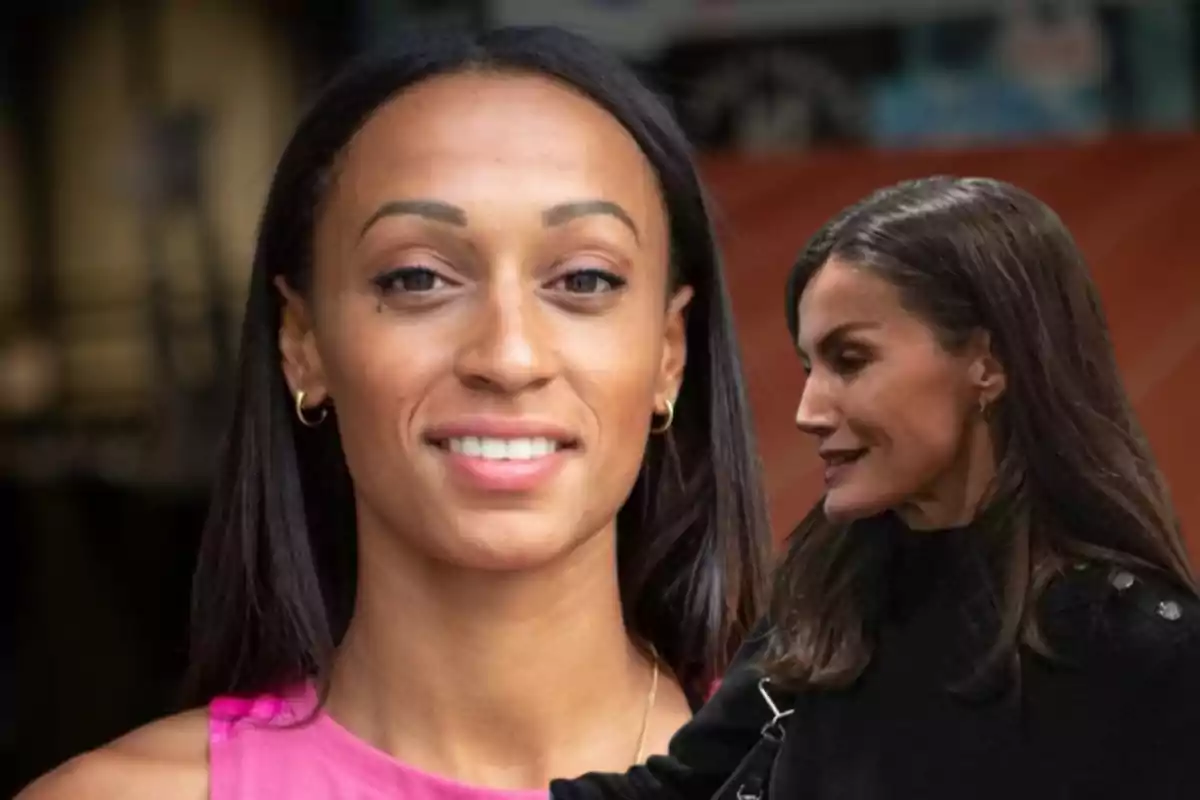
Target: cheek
{"points": [[615, 380], [368, 362], [612, 374], [914, 435], [921, 433], [377, 377], [927, 441]]}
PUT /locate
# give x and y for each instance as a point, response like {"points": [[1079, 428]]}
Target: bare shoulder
{"points": [[165, 759]]}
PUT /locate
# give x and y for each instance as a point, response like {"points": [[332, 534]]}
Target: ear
{"points": [[986, 373], [301, 361], [674, 354]]}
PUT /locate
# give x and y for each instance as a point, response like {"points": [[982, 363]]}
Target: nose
{"points": [[817, 413], [507, 349]]}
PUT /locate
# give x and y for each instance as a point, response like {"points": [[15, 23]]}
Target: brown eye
{"points": [[411, 280], [588, 281], [849, 363]]}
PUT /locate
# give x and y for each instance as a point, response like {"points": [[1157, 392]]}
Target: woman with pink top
{"points": [[488, 512]]}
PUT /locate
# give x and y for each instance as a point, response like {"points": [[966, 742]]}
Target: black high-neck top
{"points": [[1114, 714]]}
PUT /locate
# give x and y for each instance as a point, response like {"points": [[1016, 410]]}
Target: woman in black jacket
{"points": [[993, 599]]}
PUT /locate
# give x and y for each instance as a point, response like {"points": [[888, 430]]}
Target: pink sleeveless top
{"points": [[258, 752]]}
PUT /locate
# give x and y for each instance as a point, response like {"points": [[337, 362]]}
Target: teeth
{"points": [[503, 449]]}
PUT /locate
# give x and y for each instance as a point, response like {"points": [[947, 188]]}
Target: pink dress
{"points": [[257, 752]]}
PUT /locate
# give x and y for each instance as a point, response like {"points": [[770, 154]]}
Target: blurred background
{"points": [[137, 139]]}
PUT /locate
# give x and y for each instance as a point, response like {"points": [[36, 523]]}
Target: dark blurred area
{"points": [[137, 139]]}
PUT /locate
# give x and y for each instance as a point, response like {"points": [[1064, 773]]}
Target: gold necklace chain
{"points": [[640, 754]]}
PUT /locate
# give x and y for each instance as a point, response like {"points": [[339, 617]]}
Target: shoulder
{"points": [[164, 760], [1124, 618]]}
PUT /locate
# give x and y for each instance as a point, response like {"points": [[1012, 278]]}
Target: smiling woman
{"points": [[469, 530]]}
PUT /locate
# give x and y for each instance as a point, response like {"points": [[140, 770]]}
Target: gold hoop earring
{"points": [[665, 425], [300, 415]]}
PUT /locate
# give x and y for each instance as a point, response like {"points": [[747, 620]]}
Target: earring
{"points": [[300, 415], [665, 425], [983, 406]]}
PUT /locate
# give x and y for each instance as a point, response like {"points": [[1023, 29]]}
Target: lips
{"points": [[500, 454], [838, 462], [841, 457], [499, 431]]}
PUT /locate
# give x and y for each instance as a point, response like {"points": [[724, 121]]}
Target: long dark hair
{"points": [[275, 582], [1075, 479]]}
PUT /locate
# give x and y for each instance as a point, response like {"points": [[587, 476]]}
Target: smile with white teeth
{"points": [[494, 449], [837, 459]]}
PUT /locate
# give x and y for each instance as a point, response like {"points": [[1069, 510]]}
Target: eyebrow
{"points": [[560, 214], [837, 334], [434, 210], [563, 213]]}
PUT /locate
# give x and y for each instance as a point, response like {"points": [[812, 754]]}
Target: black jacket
{"points": [[1114, 714]]}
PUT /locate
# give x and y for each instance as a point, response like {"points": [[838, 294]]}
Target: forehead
{"points": [[840, 294], [523, 138]]}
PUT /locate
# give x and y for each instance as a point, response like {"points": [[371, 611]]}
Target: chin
{"points": [[843, 507], [518, 544]]}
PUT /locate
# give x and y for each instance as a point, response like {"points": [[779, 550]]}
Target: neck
{"points": [[503, 679]]}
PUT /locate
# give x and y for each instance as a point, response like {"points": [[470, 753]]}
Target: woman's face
{"points": [[897, 417], [490, 317]]}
